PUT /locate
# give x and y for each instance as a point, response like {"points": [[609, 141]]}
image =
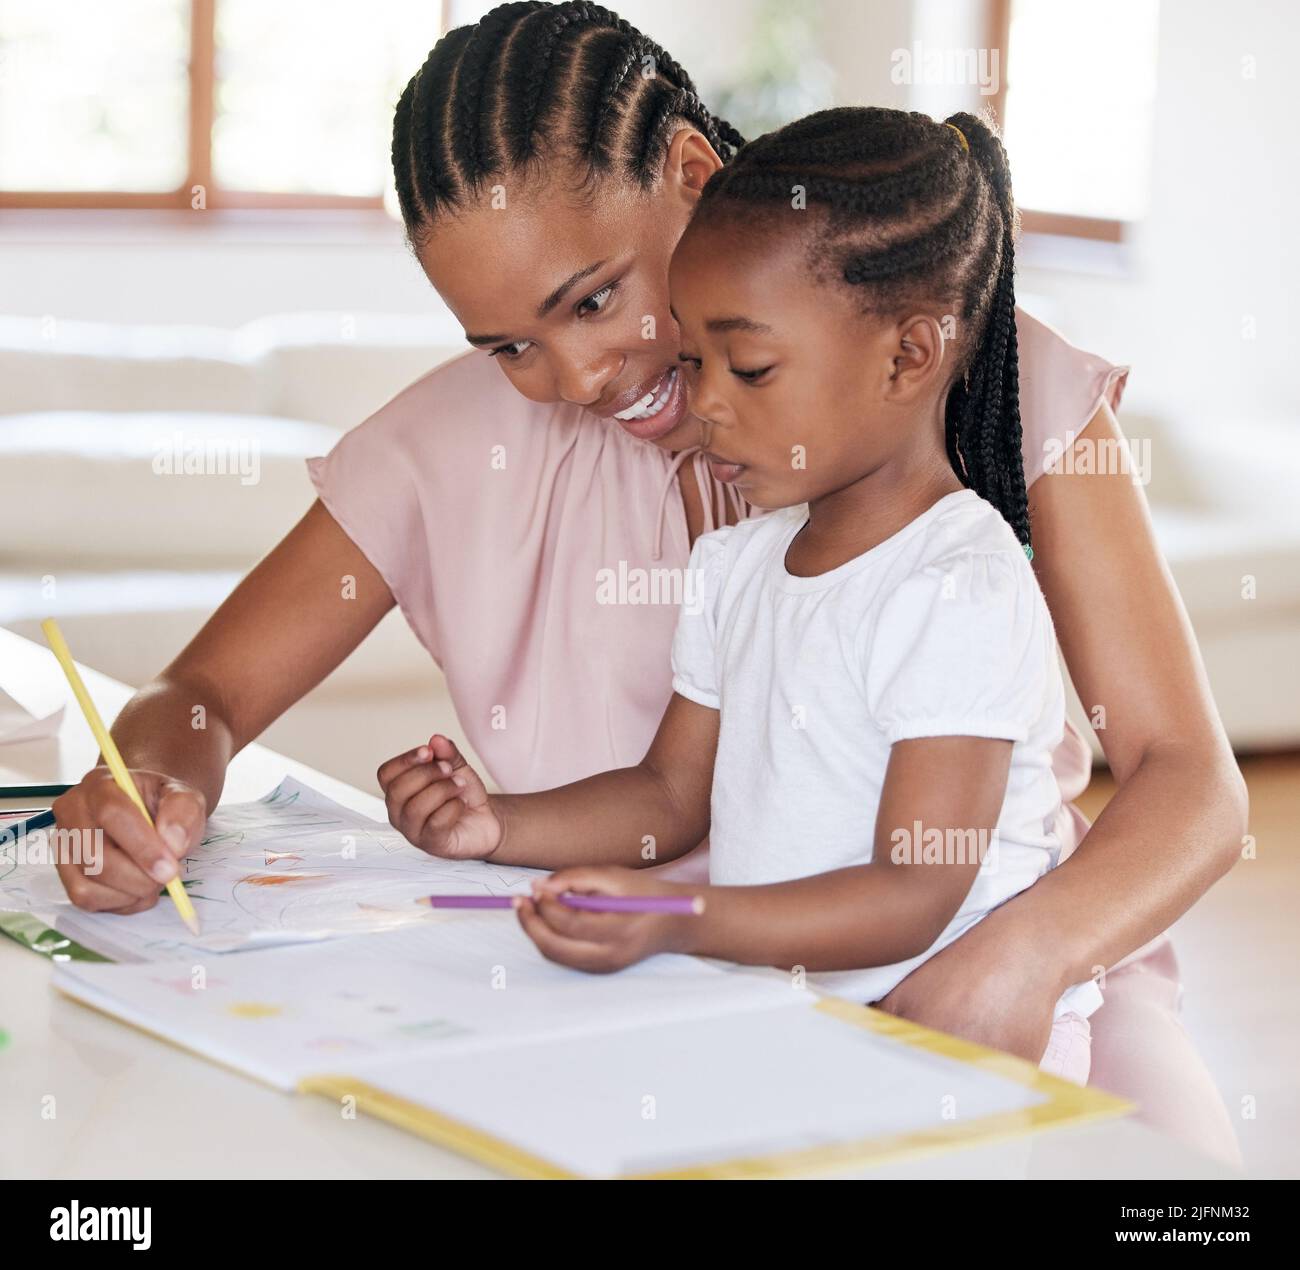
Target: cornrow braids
{"points": [[535, 81], [911, 211]]}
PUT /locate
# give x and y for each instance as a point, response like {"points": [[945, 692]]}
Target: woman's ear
{"points": [[690, 161], [919, 356]]}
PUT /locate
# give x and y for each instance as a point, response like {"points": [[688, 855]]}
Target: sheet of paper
{"points": [[29, 746], [468, 981], [42, 761], [19, 732], [292, 867], [702, 1091]]}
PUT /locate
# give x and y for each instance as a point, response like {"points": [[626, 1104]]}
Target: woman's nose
{"points": [[584, 382]]}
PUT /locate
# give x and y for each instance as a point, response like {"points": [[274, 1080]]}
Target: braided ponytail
{"points": [[983, 410]]}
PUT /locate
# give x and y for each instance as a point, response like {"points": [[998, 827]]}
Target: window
{"points": [[1076, 110], [288, 103], [237, 103]]}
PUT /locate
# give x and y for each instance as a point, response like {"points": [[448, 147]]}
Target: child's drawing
{"points": [[291, 867]]}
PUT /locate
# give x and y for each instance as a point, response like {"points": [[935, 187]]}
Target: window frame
{"points": [[202, 115], [1060, 224]]}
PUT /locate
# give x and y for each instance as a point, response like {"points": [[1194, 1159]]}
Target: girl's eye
{"points": [[693, 363], [750, 376], [597, 299], [511, 351]]}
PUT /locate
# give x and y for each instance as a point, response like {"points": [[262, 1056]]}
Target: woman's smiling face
{"points": [[571, 298]]}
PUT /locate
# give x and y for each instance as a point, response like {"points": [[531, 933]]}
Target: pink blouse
{"points": [[538, 552]]}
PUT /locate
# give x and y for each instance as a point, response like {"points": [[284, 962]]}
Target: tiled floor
{"points": [[1240, 953]]}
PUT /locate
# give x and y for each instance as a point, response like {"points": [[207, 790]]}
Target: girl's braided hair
{"points": [[910, 211]]}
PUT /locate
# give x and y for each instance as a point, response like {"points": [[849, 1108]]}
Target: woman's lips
{"points": [[668, 416]]}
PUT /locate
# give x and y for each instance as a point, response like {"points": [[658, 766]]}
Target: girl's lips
{"points": [[661, 424], [723, 470]]}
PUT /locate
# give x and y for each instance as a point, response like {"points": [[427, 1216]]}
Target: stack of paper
{"points": [[460, 1032]]}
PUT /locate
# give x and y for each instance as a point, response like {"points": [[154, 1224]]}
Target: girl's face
{"points": [[797, 393], [572, 300]]}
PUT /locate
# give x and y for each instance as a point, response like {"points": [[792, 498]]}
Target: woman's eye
{"points": [[750, 376], [511, 351], [597, 299], [691, 363]]}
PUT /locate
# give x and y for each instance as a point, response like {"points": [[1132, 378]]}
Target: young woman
{"points": [[548, 160]]}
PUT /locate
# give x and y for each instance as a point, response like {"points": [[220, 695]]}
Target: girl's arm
{"points": [[635, 816], [647, 814], [1176, 821], [891, 909], [871, 915], [281, 631]]}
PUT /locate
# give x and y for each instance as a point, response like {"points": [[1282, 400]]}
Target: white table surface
{"points": [[129, 1106]]}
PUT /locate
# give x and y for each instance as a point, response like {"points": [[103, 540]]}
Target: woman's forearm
{"points": [[176, 727], [1172, 829]]}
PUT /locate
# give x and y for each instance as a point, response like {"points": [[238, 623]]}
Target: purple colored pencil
{"points": [[686, 905]]}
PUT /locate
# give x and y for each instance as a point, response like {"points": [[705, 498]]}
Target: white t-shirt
{"points": [[940, 630]]}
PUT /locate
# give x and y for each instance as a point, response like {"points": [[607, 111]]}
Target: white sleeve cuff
{"points": [[953, 725], [684, 688]]}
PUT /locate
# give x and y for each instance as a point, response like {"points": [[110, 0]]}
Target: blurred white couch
{"points": [[132, 562]]}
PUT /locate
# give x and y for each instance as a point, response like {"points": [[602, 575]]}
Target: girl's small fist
{"points": [[439, 802]]}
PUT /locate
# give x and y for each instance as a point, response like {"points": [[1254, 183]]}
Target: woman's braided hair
{"points": [[912, 211], [533, 81]]}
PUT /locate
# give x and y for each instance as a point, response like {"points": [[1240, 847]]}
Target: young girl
{"points": [[871, 668]]}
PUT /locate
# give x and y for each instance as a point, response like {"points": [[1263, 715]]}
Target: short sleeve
{"points": [[368, 484], [1061, 388], [408, 481], [962, 647], [695, 646], [387, 479]]}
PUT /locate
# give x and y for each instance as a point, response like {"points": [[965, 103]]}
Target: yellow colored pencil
{"points": [[121, 775]]}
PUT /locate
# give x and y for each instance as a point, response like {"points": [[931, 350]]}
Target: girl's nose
{"points": [[706, 406]]}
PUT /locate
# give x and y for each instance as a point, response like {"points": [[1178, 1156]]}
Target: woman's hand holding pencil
{"points": [[137, 859], [162, 865]]}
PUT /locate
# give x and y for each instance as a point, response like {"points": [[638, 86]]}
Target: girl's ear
{"points": [[918, 359], [690, 161]]}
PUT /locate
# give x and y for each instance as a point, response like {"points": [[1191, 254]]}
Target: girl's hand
{"points": [[986, 987], [439, 803], [601, 942], [128, 874]]}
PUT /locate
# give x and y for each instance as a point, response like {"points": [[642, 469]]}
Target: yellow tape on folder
{"points": [[1064, 1102]]}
